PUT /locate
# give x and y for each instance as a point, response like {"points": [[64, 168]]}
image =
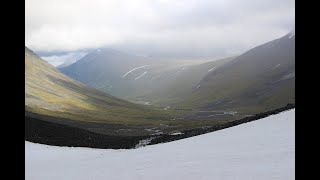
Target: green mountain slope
{"points": [[261, 79], [50, 92], [52, 96]]}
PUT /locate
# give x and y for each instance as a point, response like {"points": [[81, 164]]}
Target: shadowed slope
{"points": [[261, 79]]}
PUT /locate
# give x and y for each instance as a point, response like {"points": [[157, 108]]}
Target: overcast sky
{"points": [[177, 28]]}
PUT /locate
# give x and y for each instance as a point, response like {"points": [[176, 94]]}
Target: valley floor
{"points": [[262, 149]]}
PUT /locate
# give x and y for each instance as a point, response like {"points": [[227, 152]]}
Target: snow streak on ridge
{"points": [[134, 70], [211, 69], [141, 75], [276, 66]]}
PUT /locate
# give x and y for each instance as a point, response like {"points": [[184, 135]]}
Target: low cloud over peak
{"points": [[157, 27]]}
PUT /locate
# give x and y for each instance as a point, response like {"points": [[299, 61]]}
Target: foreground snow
{"points": [[263, 149]]}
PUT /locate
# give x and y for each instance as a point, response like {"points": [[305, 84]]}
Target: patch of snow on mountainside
{"points": [[134, 70], [276, 66], [211, 69], [141, 75], [176, 133], [144, 142], [288, 76], [262, 149]]}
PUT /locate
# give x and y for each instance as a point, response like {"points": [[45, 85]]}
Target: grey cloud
{"points": [[66, 58], [196, 28]]}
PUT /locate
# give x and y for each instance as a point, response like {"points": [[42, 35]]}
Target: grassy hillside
{"points": [[54, 97], [50, 92], [261, 79], [183, 95]]}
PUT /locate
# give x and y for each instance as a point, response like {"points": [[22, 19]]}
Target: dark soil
{"points": [[199, 131], [49, 133], [41, 131]]}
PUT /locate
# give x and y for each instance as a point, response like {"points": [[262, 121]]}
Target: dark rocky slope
{"points": [[41, 131]]}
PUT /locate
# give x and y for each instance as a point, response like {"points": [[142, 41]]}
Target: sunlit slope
{"points": [[52, 96], [262, 78], [49, 92]]}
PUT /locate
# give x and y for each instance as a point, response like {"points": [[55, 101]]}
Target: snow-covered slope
{"points": [[263, 149]]}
